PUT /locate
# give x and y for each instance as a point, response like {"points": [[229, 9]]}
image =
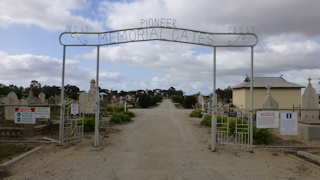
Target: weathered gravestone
{"points": [[91, 104], [310, 100], [12, 99], [87, 101], [200, 99], [220, 109], [309, 124], [42, 97], [83, 99], [51, 100], [270, 102], [31, 99]]}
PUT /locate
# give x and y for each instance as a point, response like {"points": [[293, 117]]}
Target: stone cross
{"points": [[268, 89], [270, 102], [309, 79]]}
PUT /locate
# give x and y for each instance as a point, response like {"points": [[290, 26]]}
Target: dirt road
{"points": [[161, 143]]}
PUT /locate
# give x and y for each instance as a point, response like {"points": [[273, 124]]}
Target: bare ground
{"points": [[161, 143]]}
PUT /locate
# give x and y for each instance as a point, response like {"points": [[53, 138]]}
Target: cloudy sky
{"points": [[288, 32]]}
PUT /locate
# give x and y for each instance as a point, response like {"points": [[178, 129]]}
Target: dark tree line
{"points": [[224, 95], [71, 90]]}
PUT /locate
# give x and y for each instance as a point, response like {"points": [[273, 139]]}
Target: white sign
{"points": [[42, 112], [74, 110], [267, 119], [289, 123], [24, 115]]}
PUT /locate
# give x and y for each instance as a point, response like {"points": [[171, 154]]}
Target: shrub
{"points": [[206, 120], [119, 118], [196, 113], [156, 99], [115, 109], [189, 102], [89, 124], [177, 99], [262, 136], [129, 113], [144, 101]]}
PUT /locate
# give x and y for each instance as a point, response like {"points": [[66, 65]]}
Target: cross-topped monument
{"points": [[268, 89]]}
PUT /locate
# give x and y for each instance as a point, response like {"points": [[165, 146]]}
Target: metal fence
{"points": [[233, 130], [73, 125], [288, 128], [296, 128], [29, 123]]}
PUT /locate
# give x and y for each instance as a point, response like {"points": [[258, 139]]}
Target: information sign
{"points": [[42, 112], [289, 123], [74, 111], [267, 119], [25, 115]]}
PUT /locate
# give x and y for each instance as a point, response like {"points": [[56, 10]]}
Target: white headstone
{"points": [[310, 100], [83, 99], [200, 99], [220, 109], [12, 99], [42, 97]]}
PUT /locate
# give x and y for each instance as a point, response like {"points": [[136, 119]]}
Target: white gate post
{"points": [[251, 102], [214, 106], [62, 97], [96, 137]]}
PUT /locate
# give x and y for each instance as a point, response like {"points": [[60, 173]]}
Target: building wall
{"points": [[239, 97], [285, 97]]}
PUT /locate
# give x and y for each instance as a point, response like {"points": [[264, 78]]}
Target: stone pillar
{"points": [[310, 100]]}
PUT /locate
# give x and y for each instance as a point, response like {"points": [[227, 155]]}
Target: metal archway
{"points": [[177, 35]]}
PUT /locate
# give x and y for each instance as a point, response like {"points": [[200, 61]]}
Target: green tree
{"points": [[35, 86], [51, 91], [189, 102], [72, 91]]}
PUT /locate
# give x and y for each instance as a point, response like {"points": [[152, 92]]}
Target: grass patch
{"points": [[10, 151]]}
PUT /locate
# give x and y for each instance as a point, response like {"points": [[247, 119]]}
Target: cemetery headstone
{"points": [[42, 97], [200, 99], [91, 104], [12, 99], [51, 100], [83, 99], [310, 100], [270, 102], [220, 109]]}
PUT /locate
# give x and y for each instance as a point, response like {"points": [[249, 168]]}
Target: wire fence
{"points": [[29, 123], [271, 128], [286, 128]]}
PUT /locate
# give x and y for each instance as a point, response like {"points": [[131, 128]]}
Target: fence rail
{"points": [[304, 131], [42, 130]]}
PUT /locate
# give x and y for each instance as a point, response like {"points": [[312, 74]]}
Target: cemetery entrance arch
{"points": [[158, 33]]}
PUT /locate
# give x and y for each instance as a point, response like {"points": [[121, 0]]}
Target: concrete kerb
{"points": [[309, 156], [5, 166]]}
